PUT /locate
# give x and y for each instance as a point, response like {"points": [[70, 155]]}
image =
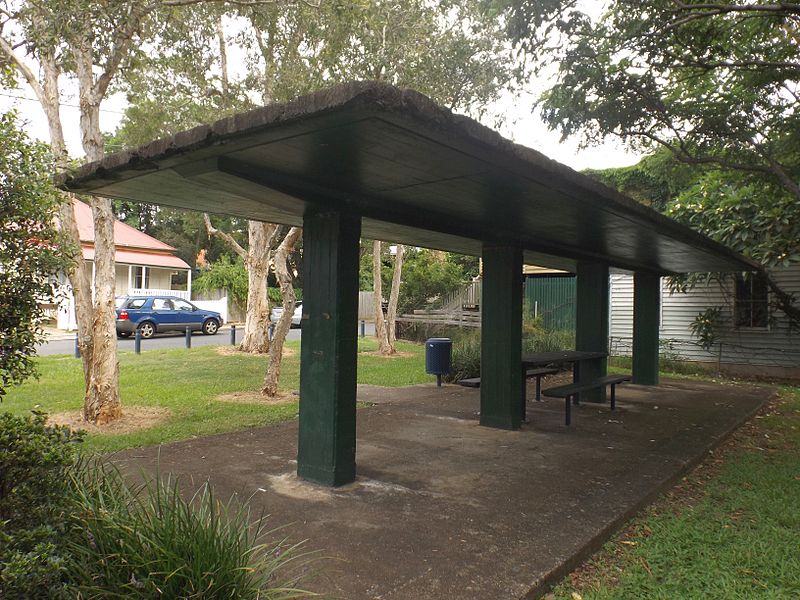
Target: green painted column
{"points": [[326, 449], [501, 337], [591, 322], [646, 317]]}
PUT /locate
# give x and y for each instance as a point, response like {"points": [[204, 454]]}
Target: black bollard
{"points": [[271, 331], [137, 342], [363, 329], [77, 347], [233, 335], [188, 337]]}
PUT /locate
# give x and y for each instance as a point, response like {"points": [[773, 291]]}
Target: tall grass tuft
{"points": [[146, 541], [466, 358]]}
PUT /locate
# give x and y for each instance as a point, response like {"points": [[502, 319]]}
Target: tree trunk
{"points": [[285, 322], [78, 275], [377, 285], [81, 284], [394, 296], [256, 324], [260, 236], [102, 403]]}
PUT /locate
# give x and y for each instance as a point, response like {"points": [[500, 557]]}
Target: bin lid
{"points": [[438, 340]]}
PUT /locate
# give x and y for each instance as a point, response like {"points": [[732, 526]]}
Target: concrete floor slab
{"points": [[444, 508]]}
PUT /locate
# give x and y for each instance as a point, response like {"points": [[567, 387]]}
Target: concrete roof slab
{"points": [[418, 173]]}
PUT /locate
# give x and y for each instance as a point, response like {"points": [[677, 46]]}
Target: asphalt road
{"points": [[166, 340]]}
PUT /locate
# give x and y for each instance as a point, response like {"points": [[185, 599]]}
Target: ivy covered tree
{"points": [[31, 248]]}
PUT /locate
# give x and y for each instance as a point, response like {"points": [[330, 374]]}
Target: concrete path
{"points": [[446, 509]]}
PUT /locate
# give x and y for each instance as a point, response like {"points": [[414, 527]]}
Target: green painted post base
{"points": [[646, 317], [591, 323], [501, 337], [326, 449]]}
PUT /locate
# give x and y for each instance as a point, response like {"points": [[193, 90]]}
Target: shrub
{"points": [[466, 358], [535, 338], [147, 541], [34, 459]]}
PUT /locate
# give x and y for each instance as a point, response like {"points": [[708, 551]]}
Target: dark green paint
{"points": [[591, 323], [501, 337], [326, 451], [553, 298], [646, 316]]}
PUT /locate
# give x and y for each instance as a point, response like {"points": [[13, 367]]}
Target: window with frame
{"points": [[751, 300], [141, 278], [182, 305]]}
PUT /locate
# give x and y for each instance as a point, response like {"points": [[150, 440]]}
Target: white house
{"points": [[144, 265], [753, 339]]}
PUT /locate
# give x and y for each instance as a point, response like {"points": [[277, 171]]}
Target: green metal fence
{"points": [[551, 297]]}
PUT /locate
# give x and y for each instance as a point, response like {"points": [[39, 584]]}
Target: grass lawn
{"points": [[730, 530], [187, 383]]}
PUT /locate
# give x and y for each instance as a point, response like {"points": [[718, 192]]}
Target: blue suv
{"points": [[155, 314]]}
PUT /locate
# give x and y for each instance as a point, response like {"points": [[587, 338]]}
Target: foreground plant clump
{"points": [[80, 529]]}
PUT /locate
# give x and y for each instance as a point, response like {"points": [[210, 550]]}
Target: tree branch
{"points": [[24, 70], [225, 237]]}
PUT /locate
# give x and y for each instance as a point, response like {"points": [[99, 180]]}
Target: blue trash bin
{"points": [[438, 357]]}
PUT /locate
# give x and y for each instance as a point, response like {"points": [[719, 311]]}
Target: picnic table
{"points": [[542, 359]]}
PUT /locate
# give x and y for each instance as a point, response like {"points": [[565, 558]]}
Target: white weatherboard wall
{"points": [[770, 351]]}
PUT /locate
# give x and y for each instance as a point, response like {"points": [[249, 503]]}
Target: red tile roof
{"points": [[132, 245], [148, 259]]}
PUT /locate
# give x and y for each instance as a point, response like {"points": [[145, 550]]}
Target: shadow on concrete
{"points": [[446, 509]]}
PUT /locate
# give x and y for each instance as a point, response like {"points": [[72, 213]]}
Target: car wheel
{"points": [[124, 334], [210, 327], [147, 330]]}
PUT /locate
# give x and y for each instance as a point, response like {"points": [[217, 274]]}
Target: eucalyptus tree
{"points": [[91, 44]]}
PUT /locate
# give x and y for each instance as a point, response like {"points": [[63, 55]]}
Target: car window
{"points": [[135, 303], [162, 304], [182, 305]]}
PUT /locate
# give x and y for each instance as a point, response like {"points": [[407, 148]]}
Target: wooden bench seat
{"points": [[475, 382], [571, 391]]}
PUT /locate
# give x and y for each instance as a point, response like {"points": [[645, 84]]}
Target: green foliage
{"points": [[537, 338], [743, 213], [466, 357], [716, 84], [34, 460], [706, 325], [426, 276], [231, 275], [225, 274], [275, 297], [654, 181], [148, 542], [31, 249]]}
